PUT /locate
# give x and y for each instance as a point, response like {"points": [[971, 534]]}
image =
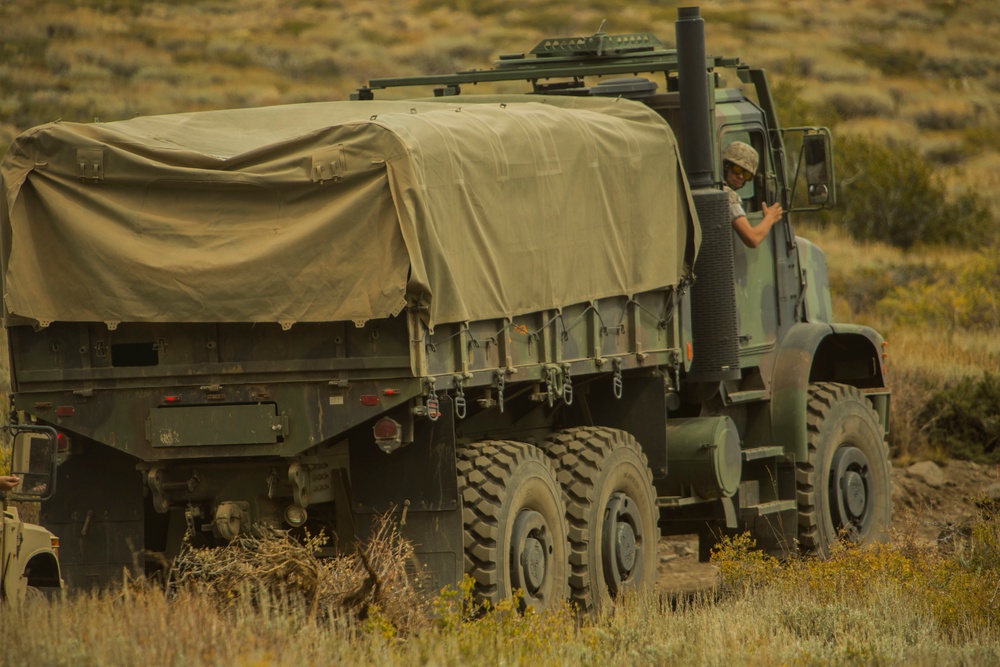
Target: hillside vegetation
{"points": [[924, 71], [911, 88]]}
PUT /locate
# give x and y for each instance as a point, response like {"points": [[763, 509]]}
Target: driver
{"points": [[739, 164]]}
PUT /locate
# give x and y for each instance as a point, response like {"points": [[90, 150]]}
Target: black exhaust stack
{"points": [[713, 297], [696, 107]]}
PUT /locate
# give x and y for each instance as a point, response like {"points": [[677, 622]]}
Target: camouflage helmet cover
{"points": [[742, 154]]}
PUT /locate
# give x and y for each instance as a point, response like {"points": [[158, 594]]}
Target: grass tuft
{"points": [[270, 567]]}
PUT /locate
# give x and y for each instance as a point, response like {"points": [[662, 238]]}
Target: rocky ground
{"points": [[929, 501]]}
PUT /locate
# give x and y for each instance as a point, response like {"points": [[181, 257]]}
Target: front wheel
{"points": [[843, 489]]}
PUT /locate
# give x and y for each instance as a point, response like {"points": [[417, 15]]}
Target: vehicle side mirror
{"points": [[814, 166], [33, 459], [818, 168]]}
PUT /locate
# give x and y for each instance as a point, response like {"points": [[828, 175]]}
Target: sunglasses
{"points": [[740, 171]]}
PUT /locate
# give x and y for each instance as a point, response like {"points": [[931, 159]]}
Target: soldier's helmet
{"points": [[742, 154]]}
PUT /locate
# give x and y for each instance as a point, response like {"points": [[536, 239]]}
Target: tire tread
{"points": [[823, 397]]}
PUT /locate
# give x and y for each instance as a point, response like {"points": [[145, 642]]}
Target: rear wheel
{"points": [[611, 505], [515, 525], [843, 490]]}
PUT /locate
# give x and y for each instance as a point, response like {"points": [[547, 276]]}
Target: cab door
{"points": [[756, 279]]}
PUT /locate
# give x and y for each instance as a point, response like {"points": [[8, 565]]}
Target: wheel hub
{"points": [[530, 546], [533, 562], [850, 484], [621, 544], [854, 493], [625, 553]]}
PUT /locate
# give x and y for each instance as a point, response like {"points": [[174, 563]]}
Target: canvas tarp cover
{"points": [[342, 211]]}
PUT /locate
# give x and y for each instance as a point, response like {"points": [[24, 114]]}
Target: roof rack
{"points": [[563, 58]]}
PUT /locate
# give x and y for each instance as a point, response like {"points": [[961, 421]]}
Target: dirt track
{"points": [[927, 500]]}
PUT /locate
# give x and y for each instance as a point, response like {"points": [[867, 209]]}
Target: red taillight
{"points": [[171, 399], [388, 434], [390, 392], [386, 429], [62, 443]]}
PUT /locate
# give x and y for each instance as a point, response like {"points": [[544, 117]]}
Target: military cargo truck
{"points": [[29, 554], [520, 323]]}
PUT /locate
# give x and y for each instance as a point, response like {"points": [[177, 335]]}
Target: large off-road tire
{"points": [[844, 489], [611, 505], [515, 523]]}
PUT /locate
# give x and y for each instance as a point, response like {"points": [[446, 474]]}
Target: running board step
{"points": [[755, 453], [771, 507], [749, 396]]}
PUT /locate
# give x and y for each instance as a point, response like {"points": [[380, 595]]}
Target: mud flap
{"points": [[97, 516], [419, 485]]}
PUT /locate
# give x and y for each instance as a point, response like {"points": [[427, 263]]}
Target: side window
{"points": [[752, 192]]}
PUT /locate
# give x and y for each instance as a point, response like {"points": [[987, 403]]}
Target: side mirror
{"points": [[33, 459], [818, 168], [814, 164]]}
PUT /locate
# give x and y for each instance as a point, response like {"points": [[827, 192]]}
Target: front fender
{"points": [[39, 557], [818, 352], [28, 558]]}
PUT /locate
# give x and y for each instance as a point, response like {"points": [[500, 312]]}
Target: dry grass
{"points": [[270, 566], [921, 595], [898, 603]]}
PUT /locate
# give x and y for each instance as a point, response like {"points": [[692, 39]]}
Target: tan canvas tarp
{"points": [[342, 211]]}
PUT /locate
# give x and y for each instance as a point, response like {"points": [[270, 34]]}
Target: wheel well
{"points": [[848, 359], [815, 352], [42, 571]]}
